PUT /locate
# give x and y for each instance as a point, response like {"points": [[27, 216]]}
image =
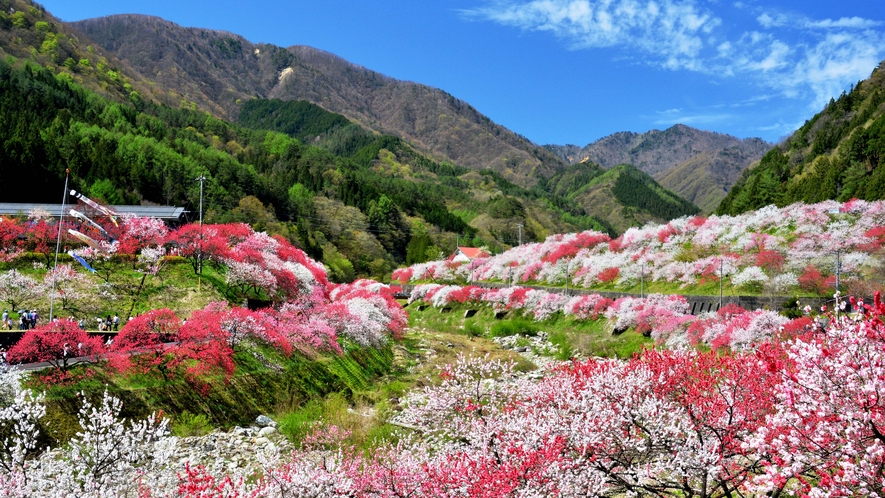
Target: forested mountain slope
{"points": [[218, 71], [838, 154], [29, 32], [700, 166], [358, 210], [622, 196]]}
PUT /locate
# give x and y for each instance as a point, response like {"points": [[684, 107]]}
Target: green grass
{"points": [[582, 337], [265, 382], [515, 326]]}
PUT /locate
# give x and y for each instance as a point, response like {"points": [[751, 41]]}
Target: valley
{"points": [[374, 289]]}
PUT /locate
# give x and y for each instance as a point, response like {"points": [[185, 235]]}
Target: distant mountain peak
{"points": [[699, 165]]}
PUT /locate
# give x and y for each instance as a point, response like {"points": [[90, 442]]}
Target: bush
{"points": [[472, 328], [514, 327], [188, 424], [564, 348]]}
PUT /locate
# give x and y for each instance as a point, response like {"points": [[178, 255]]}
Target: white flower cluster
{"points": [[106, 458]]}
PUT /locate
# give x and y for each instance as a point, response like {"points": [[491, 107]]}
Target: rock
{"points": [[266, 431], [265, 421], [261, 441]]}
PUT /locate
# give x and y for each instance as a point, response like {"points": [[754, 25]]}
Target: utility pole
{"points": [[519, 226], [61, 219], [721, 276], [838, 268], [201, 179], [838, 272], [642, 281]]}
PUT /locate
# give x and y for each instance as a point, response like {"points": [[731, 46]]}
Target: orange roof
{"points": [[473, 252]]}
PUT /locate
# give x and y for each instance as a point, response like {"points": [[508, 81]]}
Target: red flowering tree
{"points": [[813, 281], [56, 343], [141, 345], [193, 242], [41, 235], [609, 274], [770, 261], [11, 232], [203, 349]]}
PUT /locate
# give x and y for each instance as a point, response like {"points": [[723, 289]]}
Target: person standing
{"points": [[116, 321]]}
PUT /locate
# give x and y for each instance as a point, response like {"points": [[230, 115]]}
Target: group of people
{"points": [[108, 324], [27, 319]]}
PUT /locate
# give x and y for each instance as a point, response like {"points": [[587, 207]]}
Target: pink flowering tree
{"points": [[825, 436]]}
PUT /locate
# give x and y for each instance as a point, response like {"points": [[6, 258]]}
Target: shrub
{"points": [[188, 424], [513, 327]]}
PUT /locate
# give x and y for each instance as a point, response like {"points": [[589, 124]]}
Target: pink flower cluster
{"points": [[666, 319], [772, 247]]}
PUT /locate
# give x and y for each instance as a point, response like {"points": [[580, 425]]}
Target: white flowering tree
{"points": [[17, 289]]}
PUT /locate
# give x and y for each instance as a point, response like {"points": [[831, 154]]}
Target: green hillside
{"points": [[493, 206], [309, 123], [622, 196], [838, 154]]}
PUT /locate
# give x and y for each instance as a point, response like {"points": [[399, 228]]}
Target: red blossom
{"points": [[57, 343], [609, 274]]}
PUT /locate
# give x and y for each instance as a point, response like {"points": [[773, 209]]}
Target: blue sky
{"points": [[573, 71]]}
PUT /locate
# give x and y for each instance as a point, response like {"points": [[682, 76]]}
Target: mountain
{"points": [[219, 71], [347, 195], [838, 154], [359, 200], [700, 166], [622, 196], [29, 33]]}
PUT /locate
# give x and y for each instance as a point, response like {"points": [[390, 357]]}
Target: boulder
{"points": [[265, 421]]}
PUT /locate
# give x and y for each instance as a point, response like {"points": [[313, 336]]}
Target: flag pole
{"points": [[58, 245]]}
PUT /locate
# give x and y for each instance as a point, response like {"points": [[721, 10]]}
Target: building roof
{"points": [[470, 253], [166, 213]]}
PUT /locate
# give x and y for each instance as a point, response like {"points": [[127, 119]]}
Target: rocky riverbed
{"points": [[237, 448]]}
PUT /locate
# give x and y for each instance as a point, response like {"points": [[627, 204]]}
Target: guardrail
{"points": [[699, 303]]}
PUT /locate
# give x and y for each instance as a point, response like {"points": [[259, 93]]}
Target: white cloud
{"points": [[679, 116], [673, 31], [790, 54], [780, 19], [845, 22]]}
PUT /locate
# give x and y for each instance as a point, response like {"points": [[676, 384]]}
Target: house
{"points": [[467, 254]]}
